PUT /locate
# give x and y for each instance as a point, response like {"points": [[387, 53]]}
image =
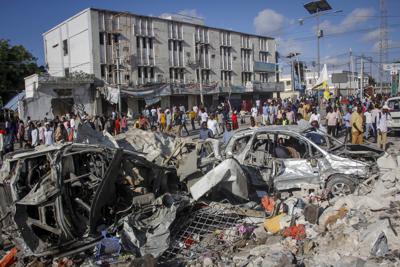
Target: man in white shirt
{"points": [[48, 135], [212, 124], [204, 116], [154, 116], [331, 120], [375, 111], [254, 112], [382, 126], [315, 116], [368, 124], [35, 136]]}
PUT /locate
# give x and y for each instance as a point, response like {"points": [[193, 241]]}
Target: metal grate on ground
{"points": [[202, 229]]}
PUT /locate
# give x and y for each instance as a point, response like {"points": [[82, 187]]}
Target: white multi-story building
{"points": [[154, 52]]}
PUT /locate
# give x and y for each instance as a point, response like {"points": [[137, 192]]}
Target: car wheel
{"points": [[340, 185]]}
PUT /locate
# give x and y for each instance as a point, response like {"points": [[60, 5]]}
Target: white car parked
{"points": [[394, 109]]}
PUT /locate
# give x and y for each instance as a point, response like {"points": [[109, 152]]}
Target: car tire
{"points": [[340, 185]]}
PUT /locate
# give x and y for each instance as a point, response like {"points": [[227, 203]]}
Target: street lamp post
{"points": [[318, 9]]}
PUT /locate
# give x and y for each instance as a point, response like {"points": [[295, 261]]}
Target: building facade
{"points": [[162, 59], [350, 86]]}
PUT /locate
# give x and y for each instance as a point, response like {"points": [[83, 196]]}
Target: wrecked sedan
{"points": [[56, 200], [287, 158]]}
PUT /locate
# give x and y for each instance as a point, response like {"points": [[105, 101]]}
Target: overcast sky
{"points": [[357, 27]]}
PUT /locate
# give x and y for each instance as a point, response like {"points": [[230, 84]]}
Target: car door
{"points": [[298, 171]]}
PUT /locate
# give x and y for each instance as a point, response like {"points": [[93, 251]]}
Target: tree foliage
{"points": [[16, 62]]}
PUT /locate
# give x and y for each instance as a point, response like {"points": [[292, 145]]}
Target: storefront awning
{"points": [[13, 103]]}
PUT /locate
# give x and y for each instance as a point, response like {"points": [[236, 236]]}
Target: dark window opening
{"points": [[138, 42], [66, 72], [150, 43], [144, 42], [103, 70], [101, 37], [152, 73], [109, 38], [145, 73], [116, 37], [139, 72], [171, 73], [65, 47]]}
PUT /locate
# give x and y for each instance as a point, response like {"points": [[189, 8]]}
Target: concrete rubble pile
{"points": [[149, 199]]}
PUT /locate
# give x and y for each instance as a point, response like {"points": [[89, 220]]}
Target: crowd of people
{"points": [[357, 119]]}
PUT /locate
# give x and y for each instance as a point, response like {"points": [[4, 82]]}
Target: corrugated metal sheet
{"points": [[13, 103]]}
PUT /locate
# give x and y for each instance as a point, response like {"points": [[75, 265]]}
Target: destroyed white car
{"points": [[283, 158]]}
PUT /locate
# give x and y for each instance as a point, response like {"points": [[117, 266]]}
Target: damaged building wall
{"points": [[60, 98]]}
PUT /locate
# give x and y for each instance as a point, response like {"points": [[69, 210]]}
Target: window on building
{"points": [[138, 42], [180, 46], [310, 81], [152, 73], [103, 70], [66, 72], [109, 38], [65, 47], [171, 73], [287, 83], [246, 77], [169, 45], [101, 37], [127, 78], [205, 76], [144, 42], [182, 72], [150, 43], [139, 74], [145, 73], [116, 37]]}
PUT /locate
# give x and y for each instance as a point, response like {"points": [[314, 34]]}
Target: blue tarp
{"points": [[13, 103]]}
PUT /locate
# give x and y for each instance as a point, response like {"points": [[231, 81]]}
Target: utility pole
{"points": [[383, 42], [298, 69], [350, 78], [319, 35], [118, 80], [292, 74], [352, 70], [362, 78]]}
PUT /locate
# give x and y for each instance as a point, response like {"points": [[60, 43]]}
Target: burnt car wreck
{"points": [[65, 195], [174, 200]]}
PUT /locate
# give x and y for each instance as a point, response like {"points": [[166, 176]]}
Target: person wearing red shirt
{"points": [[235, 124], [117, 126]]}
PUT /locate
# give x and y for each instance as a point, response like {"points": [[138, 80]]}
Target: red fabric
{"points": [[9, 259], [298, 232], [268, 203], [235, 124]]}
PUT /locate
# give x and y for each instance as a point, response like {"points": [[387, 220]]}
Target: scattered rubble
{"points": [[147, 199]]}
